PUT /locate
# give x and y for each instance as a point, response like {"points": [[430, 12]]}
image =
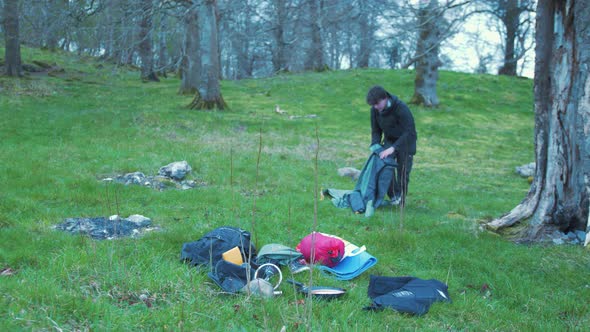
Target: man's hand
{"points": [[387, 152]]}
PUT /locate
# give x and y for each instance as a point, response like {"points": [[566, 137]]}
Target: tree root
{"points": [[199, 103]]}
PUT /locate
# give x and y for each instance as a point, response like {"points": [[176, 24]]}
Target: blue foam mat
{"points": [[351, 267]]}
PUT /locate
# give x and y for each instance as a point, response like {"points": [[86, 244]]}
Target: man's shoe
{"points": [[396, 200]]}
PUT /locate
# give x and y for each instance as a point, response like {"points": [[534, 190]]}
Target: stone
{"points": [[176, 170], [132, 178], [101, 228], [351, 172], [139, 220], [581, 236], [526, 170], [170, 176], [558, 241]]}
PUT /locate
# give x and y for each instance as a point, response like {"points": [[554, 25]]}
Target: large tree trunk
{"points": [[427, 51], [366, 35], [191, 62], [315, 54], [209, 96], [241, 44], [53, 18], [12, 57], [145, 42], [279, 53], [163, 46], [559, 195], [511, 22]]}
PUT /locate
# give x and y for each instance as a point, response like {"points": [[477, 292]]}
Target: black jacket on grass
{"points": [[406, 294]]}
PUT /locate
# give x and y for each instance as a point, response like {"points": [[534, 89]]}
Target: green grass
{"points": [[60, 135]]}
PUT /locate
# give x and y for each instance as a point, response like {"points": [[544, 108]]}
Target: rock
{"points": [[169, 177], [132, 178], [526, 170], [558, 241], [163, 183], [102, 228], [188, 184], [351, 172], [139, 220], [176, 170], [581, 236]]}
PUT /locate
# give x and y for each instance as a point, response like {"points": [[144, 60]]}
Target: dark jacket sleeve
{"points": [[409, 128], [376, 131]]}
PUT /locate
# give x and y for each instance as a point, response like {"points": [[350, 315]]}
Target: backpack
{"points": [[209, 249], [231, 277], [328, 250]]}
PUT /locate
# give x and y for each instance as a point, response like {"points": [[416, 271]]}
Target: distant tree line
{"points": [[206, 40]]}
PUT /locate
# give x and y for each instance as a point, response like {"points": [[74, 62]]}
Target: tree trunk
{"points": [[365, 36], [53, 21], [209, 96], [145, 42], [163, 47], [427, 51], [315, 53], [279, 53], [511, 22], [12, 57], [559, 195], [191, 62], [241, 44]]}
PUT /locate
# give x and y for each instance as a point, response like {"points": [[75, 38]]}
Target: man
{"points": [[392, 126]]}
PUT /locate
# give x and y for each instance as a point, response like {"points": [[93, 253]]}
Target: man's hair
{"points": [[376, 94]]}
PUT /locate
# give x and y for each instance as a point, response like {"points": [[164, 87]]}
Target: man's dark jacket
{"points": [[396, 124]]}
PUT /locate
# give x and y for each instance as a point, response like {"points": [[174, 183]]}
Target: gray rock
{"points": [[187, 184], [558, 241], [132, 178], [139, 220], [581, 236], [526, 170], [106, 228], [176, 170], [351, 172]]}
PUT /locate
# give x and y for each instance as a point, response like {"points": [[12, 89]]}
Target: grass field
{"points": [[60, 135]]}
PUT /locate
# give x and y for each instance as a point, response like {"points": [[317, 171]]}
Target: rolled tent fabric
{"points": [[371, 187]]}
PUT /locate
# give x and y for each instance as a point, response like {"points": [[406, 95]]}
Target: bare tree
{"points": [[191, 59], [427, 50], [52, 9], [209, 96], [366, 19], [146, 41], [515, 16], [280, 43], [163, 66], [559, 196], [315, 53], [12, 56], [433, 29]]}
